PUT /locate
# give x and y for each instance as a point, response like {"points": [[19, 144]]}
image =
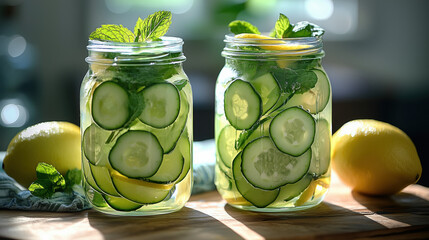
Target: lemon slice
{"points": [[274, 44], [137, 182], [140, 191]]}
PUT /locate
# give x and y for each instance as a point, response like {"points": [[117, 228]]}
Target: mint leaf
{"points": [[114, 33], [294, 81], [154, 26], [305, 29], [180, 83], [282, 26], [72, 177], [238, 27], [41, 188], [49, 181], [46, 171], [245, 134]]}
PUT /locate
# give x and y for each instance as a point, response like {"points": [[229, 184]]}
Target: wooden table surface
{"points": [[343, 215]]}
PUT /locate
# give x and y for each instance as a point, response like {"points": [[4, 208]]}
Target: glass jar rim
{"points": [[137, 53], [112, 46], [272, 48]]}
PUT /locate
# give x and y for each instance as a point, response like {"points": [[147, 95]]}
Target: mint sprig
{"points": [[49, 181], [149, 29], [282, 29], [238, 27]]}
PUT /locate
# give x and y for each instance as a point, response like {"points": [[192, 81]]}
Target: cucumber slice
{"points": [[168, 137], [315, 99], [258, 197], [136, 154], [110, 106], [185, 149], [121, 204], [93, 139], [292, 131], [243, 105], [170, 169], [268, 89], [138, 190], [293, 190], [222, 167], [102, 179], [161, 105], [222, 181], [93, 196], [88, 174], [226, 145], [265, 167], [321, 148]]}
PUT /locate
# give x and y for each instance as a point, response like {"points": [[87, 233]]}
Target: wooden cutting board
{"points": [[343, 214]]}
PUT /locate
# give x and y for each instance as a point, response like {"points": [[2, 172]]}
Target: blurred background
{"points": [[376, 56]]}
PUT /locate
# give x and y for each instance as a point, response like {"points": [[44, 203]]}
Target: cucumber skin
{"points": [[240, 180], [121, 208]]}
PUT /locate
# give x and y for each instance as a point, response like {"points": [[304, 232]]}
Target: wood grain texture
{"points": [[343, 215]]}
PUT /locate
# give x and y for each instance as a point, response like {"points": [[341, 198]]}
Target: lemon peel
{"points": [[374, 157], [55, 143]]}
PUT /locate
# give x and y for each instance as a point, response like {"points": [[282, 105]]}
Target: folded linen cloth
{"points": [[13, 196]]}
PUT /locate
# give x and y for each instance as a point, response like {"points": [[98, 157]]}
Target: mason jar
{"points": [[136, 127], [273, 124]]}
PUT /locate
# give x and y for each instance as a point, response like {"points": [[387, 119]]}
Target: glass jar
{"points": [[136, 127], [273, 124]]}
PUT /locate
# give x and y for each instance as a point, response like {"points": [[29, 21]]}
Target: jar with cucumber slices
{"points": [[273, 118], [136, 125]]}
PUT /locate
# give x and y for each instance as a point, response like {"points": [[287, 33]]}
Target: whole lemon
{"points": [[56, 143], [374, 157]]}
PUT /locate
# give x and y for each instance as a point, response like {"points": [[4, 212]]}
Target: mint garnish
{"points": [[114, 33], [282, 29], [72, 177], [282, 26], [238, 27], [151, 28], [305, 29], [49, 181]]}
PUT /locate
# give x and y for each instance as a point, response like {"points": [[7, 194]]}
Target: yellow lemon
{"points": [[56, 143], [272, 43], [374, 157]]}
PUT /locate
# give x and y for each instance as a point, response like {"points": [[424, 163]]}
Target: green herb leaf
{"points": [[72, 177], [114, 33], [48, 172], [305, 29], [41, 188], [180, 83], [238, 27], [282, 26], [154, 26], [294, 81], [49, 181], [245, 134]]}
